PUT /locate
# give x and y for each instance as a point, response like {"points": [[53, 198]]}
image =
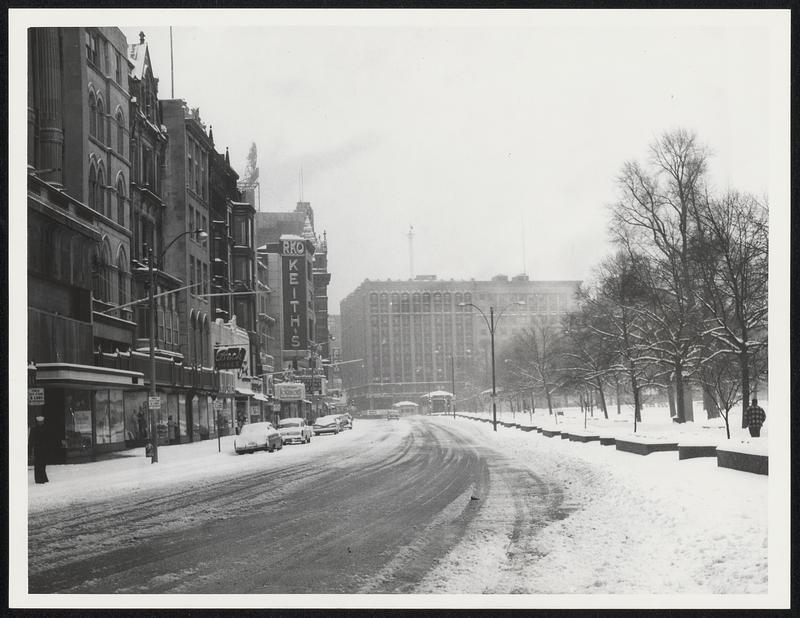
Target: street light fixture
{"points": [[199, 233], [491, 324]]}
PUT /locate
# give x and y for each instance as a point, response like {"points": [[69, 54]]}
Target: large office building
{"points": [[406, 338]]}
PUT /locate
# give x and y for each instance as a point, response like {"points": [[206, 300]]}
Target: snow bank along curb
{"points": [[745, 457], [739, 459]]}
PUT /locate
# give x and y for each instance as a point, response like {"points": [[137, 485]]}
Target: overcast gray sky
{"points": [[478, 129]]}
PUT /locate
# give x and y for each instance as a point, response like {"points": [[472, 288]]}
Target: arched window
{"points": [[92, 115], [101, 115], [192, 336], [120, 133], [122, 279], [121, 200], [106, 273], [101, 284], [100, 192], [92, 187], [78, 274]]}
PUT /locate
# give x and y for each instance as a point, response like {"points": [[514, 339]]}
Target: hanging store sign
{"points": [[314, 384], [229, 357], [295, 295], [290, 391]]}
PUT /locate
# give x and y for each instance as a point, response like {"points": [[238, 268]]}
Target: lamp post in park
{"points": [[453, 382], [154, 402], [491, 324]]}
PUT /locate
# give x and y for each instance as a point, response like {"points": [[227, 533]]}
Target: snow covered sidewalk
{"points": [[646, 525]]}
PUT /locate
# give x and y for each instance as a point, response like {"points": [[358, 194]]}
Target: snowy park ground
{"points": [[641, 525], [656, 424]]}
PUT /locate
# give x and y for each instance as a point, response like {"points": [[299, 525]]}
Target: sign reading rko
{"points": [[293, 246], [229, 357], [295, 295]]}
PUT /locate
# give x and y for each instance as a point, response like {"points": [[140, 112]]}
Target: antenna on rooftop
{"points": [[301, 183], [524, 260], [410, 251]]}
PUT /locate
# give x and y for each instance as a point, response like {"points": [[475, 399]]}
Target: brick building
{"points": [[410, 332]]}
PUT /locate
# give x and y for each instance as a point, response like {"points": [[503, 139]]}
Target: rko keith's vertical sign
{"points": [[295, 295]]}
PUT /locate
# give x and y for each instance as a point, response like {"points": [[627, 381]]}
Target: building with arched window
{"points": [[78, 243], [97, 166]]}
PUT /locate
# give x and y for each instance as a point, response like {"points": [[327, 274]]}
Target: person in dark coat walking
{"points": [[38, 442], [754, 417]]}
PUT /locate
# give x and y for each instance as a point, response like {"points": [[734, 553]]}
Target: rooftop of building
{"points": [[433, 282]]}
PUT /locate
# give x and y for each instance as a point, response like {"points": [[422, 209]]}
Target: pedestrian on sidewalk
{"points": [[754, 417], [38, 444]]}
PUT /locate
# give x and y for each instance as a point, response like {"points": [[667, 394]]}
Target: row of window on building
{"points": [[425, 302]]}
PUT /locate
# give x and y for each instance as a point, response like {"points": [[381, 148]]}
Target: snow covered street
{"points": [[550, 517]]}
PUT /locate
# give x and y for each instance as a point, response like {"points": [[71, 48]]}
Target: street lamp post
{"points": [[152, 304], [491, 324], [453, 382]]}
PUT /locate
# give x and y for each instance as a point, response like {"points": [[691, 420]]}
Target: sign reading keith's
{"points": [[295, 296], [229, 357]]}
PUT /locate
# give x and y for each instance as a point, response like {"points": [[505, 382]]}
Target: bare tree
{"points": [[731, 262], [620, 322], [537, 357], [720, 380], [588, 357], [653, 218]]}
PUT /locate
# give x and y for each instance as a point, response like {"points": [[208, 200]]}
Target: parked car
{"points": [[345, 421], [294, 430], [393, 415], [327, 424], [257, 436]]}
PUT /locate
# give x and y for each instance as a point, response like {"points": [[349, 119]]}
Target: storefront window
{"points": [[241, 412], [116, 416], [195, 418], [213, 419], [101, 429], [161, 419], [182, 415], [77, 419], [171, 413], [135, 415], [203, 417]]}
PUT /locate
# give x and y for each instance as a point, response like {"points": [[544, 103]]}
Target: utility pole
{"points": [[151, 402]]}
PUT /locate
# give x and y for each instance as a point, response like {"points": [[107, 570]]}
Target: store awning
{"points": [[87, 376], [245, 391], [260, 397]]}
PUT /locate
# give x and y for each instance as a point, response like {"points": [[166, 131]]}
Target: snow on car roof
{"points": [[255, 426]]}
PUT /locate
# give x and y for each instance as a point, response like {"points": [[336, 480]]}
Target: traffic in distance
{"points": [[264, 436]]}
